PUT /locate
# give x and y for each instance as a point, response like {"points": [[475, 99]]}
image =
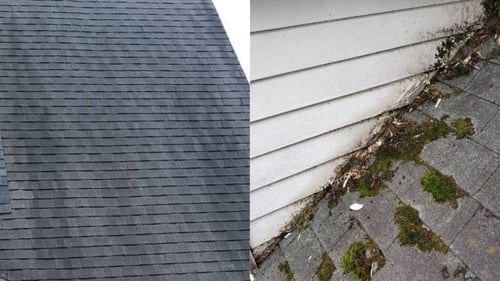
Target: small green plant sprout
{"points": [[326, 268], [286, 270], [442, 187], [413, 232], [463, 127], [362, 259]]}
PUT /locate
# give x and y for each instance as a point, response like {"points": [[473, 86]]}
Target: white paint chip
{"points": [[356, 206]]}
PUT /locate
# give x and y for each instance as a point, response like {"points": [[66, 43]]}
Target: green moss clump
{"points": [[359, 259], [382, 168], [408, 145], [434, 130], [284, 268], [372, 182], [405, 144], [463, 127], [368, 186], [326, 268], [443, 188], [353, 261], [412, 231]]}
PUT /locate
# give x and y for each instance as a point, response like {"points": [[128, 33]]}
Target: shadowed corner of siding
{"points": [[460, 33], [445, 52], [458, 53], [473, 18], [491, 8]]}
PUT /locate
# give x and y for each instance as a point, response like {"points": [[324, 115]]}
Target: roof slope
{"points": [[125, 132]]}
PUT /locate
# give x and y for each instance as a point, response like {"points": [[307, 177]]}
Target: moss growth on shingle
{"points": [[286, 270], [434, 130], [353, 261], [360, 258], [369, 185], [326, 268], [404, 144], [442, 187], [409, 145], [372, 182], [463, 127], [413, 232]]}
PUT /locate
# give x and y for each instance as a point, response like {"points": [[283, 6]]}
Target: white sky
{"points": [[235, 16]]}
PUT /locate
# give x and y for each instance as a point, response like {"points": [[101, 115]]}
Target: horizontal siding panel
{"points": [[291, 49], [283, 163], [269, 226], [300, 89], [296, 126], [272, 14], [290, 190]]}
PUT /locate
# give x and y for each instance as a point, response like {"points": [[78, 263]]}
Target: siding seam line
{"points": [[359, 16]]}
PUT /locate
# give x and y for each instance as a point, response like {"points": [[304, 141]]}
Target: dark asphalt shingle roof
{"points": [[124, 126]]}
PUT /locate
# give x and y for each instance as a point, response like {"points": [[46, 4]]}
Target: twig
{"points": [[438, 102]]}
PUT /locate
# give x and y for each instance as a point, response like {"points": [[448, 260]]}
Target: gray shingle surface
{"points": [[124, 126], [4, 189]]}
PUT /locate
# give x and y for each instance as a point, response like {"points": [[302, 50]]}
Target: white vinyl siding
{"points": [[322, 72]]}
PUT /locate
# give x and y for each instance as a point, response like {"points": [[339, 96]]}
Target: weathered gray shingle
{"points": [[4, 189], [124, 128]]}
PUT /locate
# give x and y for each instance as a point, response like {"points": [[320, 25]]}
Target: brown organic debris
{"points": [[468, 56], [428, 94]]}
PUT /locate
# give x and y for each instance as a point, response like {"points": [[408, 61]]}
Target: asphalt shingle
{"points": [[4, 188], [124, 130]]}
